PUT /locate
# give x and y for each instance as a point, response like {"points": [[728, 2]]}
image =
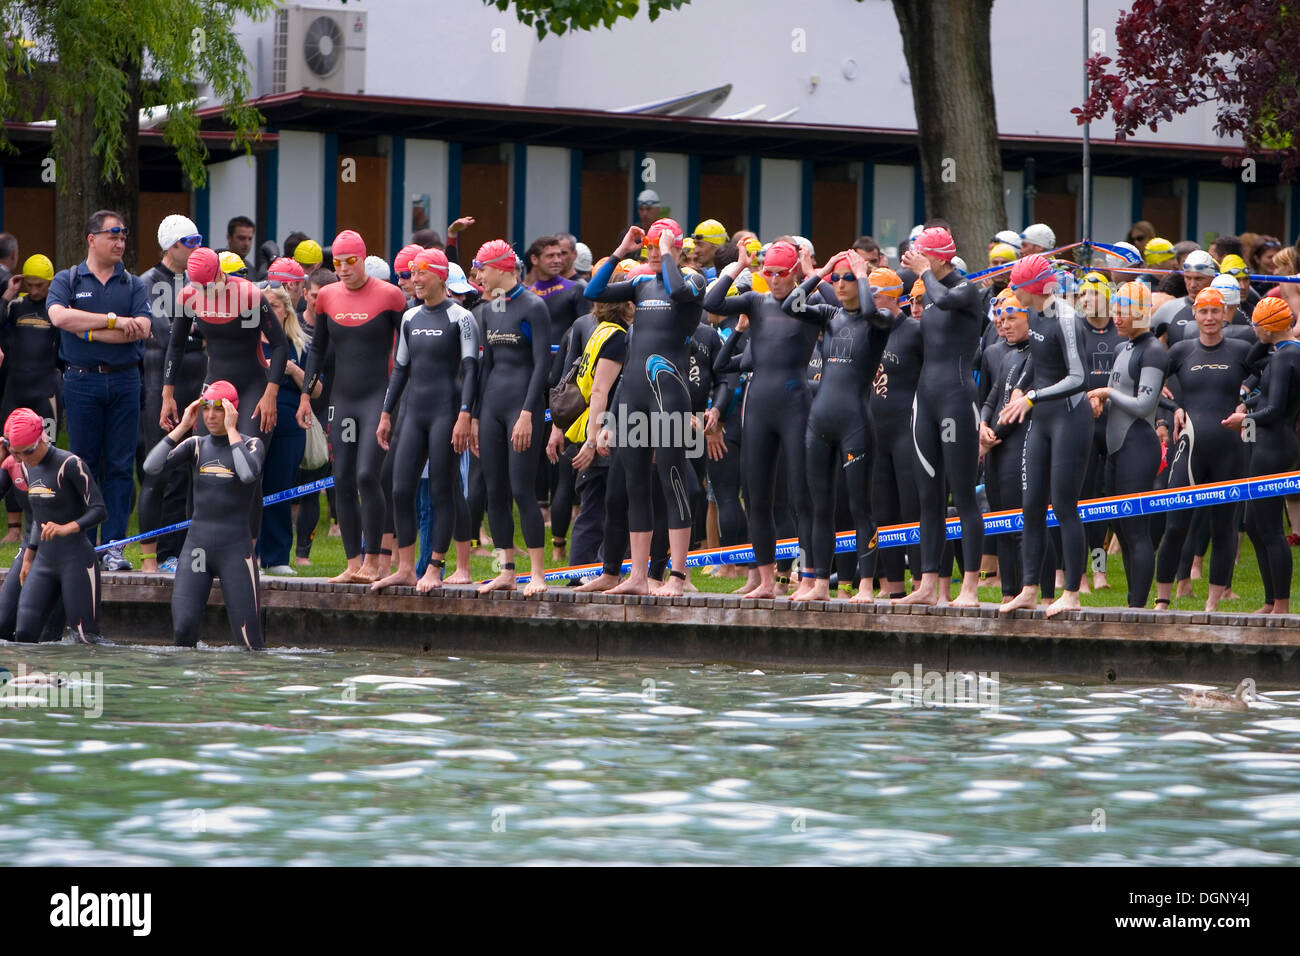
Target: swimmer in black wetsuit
{"points": [[509, 434], [839, 427], [945, 419], [1059, 435], [654, 392], [1275, 448], [1132, 446], [1208, 371], [58, 560], [437, 344], [11, 476], [226, 469]]}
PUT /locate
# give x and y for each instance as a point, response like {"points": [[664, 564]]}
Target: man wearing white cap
{"points": [[1038, 238], [648, 208], [164, 500], [1008, 236], [1175, 320], [581, 262]]}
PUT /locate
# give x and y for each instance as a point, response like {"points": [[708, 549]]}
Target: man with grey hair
{"points": [[8, 257]]}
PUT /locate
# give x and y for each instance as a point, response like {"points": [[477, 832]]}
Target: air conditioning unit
{"points": [[319, 49]]}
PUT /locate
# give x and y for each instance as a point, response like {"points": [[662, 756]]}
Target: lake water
{"points": [[217, 756]]}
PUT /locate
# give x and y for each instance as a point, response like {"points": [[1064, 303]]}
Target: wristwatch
{"points": [[112, 319]]}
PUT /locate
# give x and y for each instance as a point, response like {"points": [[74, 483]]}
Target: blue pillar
{"points": [[693, 167], [397, 202], [453, 181], [868, 210], [754, 210], [575, 192], [519, 207], [203, 213], [1193, 202], [806, 170], [1135, 204], [330, 212], [271, 170], [1241, 208]]}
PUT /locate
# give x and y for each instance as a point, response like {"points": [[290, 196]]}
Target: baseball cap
{"points": [[456, 281], [648, 197], [1040, 234], [173, 229]]}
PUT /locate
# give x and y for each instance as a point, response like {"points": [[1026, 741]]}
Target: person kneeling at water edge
{"points": [[59, 560], [226, 471]]}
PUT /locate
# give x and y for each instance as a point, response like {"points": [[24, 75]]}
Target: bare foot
{"points": [[921, 595], [864, 596], [760, 593], [557, 555], [1266, 609], [1231, 595], [302, 562], [633, 585], [398, 578], [752, 580], [818, 589], [1084, 587], [334, 532], [689, 587], [1068, 601], [993, 582], [1099, 582], [536, 585], [431, 580], [149, 564], [366, 575], [1027, 598], [14, 535], [1184, 588], [505, 581], [1196, 568], [601, 583], [459, 576], [966, 599], [672, 587], [348, 576]]}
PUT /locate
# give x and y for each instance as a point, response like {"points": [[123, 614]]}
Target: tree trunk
{"points": [[82, 187], [946, 44]]}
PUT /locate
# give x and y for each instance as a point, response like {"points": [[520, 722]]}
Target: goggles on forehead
{"points": [[213, 403]]}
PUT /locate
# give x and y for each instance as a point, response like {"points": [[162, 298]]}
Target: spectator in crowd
{"points": [[8, 257], [104, 316], [239, 238], [428, 238], [648, 208], [1140, 232]]}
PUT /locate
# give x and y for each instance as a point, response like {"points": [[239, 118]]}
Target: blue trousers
{"points": [[283, 456], [103, 415]]}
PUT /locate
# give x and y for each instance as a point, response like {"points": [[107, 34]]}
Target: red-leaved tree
{"points": [[1173, 55]]}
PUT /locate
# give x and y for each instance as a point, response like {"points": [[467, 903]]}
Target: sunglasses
{"points": [[1270, 245], [846, 276], [348, 261], [192, 242], [404, 275], [115, 232]]}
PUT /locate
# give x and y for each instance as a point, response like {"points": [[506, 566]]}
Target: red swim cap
{"points": [[498, 254], [1033, 274], [221, 389], [402, 261], [24, 428], [284, 270], [658, 227], [936, 241], [780, 255], [434, 259], [203, 266], [348, 243]]}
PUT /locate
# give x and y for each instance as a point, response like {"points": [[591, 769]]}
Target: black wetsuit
{"points": [[701, 382], [894, 497], [516, 362], [1275, 449], [1100, 347], [1208, 380], [724, 474], [1057, 441], [167, 501], [232, 324], [436, 346], [838, 435], [1133, 451], [60, 489], [11, 590], [1006, 368], [31, 356], [945, 419], [225, 484], [653, 386], [774, 420], [360, 325]]}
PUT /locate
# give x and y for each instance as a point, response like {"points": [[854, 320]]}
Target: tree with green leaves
{"points": [[946, 44], [92, 65]]}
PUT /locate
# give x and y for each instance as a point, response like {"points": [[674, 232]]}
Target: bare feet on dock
{"points": [[399, 578], [459, 576], [969, 595], [431, 580], [1027, 599], [1184, 588], [1068, 601], [922, 595], [817, 589], [505, 581], [536, 585], [670, 587], [602, 582], [348, 576], [633, 585], [149, 563]]}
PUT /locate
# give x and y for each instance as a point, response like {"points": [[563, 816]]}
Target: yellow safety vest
{"points": [[586, 377]]}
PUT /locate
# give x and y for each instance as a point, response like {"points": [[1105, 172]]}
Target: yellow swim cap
{"points": [[38, 267]]}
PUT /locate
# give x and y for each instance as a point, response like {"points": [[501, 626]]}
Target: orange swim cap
{"points": [[1209, 297], [885, 281], [1272, 314]]}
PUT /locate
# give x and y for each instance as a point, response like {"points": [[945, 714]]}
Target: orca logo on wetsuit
{"points": [[351, 318], [426, 331], [1219, 368]]}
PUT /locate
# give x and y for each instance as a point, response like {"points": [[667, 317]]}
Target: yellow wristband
{"points": [[1029, 401], [90, 336]]}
